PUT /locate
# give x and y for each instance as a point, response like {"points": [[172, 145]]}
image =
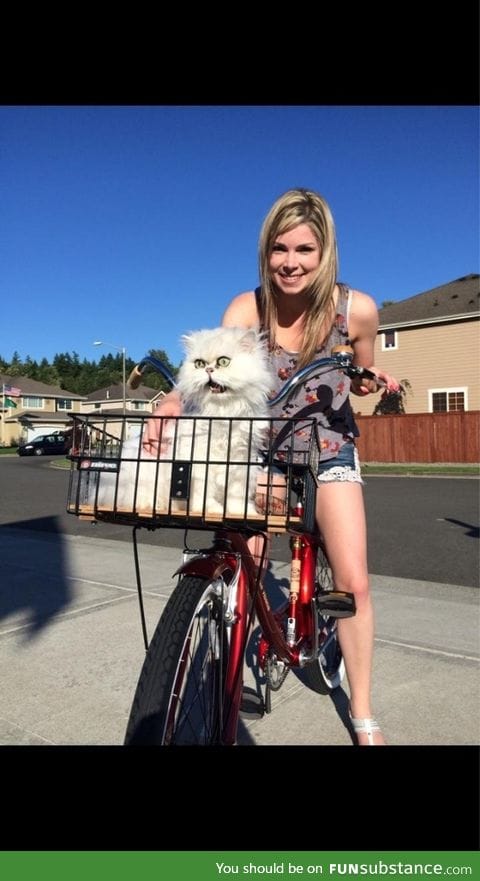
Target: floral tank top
{"points": [[324, 398]]}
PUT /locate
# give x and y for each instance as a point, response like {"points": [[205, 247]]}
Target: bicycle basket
{"points": [[199, 472]]}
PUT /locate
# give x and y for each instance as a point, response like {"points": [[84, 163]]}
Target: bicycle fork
{"points": [[223, 566]]}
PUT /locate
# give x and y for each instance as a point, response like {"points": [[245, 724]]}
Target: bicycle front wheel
{"points": [[181, 695]]}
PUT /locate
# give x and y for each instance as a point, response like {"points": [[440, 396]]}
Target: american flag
{"points": [[12, 390]]}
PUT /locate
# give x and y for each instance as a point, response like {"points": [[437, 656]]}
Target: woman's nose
{"points": [[290, 261]]}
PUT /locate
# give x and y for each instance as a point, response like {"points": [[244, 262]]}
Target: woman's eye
{"points": [[223, 361], [199, 363]]}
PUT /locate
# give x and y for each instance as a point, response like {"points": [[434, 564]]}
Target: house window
{"points": [[32, 402], [64, 404], [448, 400], [140, 405], [389, 340]]}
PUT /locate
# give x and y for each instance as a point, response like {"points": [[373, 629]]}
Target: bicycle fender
{"points": [[210, 567]]}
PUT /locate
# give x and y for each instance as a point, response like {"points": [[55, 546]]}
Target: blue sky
{"points": [[135, 224]]}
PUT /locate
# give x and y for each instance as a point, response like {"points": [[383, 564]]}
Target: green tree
{"points": [[30, 368], [16, 365], [47, 373]]}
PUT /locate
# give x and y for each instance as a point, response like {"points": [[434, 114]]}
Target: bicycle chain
{"points": [[271, 664]]}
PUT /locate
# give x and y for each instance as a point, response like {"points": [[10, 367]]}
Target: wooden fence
{"points": [[420, 437]]}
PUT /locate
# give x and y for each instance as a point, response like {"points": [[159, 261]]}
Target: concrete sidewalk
{"points": [[71, 650]]}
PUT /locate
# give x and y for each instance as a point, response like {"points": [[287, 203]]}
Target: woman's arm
{"points": [[169, 406], [241, 312], [362, 330]]}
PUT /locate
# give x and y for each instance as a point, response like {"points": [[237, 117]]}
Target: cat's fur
{"points": [[209, 386]]}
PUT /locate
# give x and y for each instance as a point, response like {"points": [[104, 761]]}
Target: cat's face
{"points": [[221, 362]]}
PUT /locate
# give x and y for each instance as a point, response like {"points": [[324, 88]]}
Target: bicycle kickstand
{"points": [[268, 699]]}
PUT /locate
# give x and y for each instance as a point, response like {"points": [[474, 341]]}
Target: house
{"points": [[432, 340], [109, 400], [109, 405], [29, 408]]}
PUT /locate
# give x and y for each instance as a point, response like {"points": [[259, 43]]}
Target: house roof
{"points": [[38, 416], [454, 300], [115, 393], [29, 386]]}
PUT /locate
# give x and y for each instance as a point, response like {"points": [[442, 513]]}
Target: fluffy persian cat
{"points": [[225, 373]]}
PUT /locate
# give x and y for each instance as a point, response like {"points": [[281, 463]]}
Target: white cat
{"points": [[226, 373]]}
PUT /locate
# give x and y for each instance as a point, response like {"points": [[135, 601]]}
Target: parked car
{"points": [[45, 445]]}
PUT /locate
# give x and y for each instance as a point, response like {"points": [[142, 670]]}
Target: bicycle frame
{"points": [[246, 594]]}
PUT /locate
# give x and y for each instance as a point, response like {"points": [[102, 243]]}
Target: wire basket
{"points": [[198, 472]]}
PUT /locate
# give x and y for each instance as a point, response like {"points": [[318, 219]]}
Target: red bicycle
{"points": [[190, 686]]}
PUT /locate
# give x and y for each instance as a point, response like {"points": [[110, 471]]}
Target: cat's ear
{"points": [[186, 341], [249, 339]]}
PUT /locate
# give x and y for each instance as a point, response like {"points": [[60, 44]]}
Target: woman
{"points": [[305, 311]]}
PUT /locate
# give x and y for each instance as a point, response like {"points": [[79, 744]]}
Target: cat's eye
{"points": [[199, 362], [223, 361]]}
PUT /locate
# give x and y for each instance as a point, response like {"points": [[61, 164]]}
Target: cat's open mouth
{"points": [[215, 387]]}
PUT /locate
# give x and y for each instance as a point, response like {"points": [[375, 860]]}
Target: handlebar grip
{"points": [[364, 373], [135, 377]]}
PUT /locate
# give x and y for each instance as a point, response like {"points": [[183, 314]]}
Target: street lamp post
{"points": [[124, 377]]}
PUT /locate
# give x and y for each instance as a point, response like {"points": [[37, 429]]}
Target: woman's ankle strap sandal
{"points": [[365, 726]]}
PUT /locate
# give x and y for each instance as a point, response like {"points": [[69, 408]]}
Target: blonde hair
{"points": [[290, 210]]}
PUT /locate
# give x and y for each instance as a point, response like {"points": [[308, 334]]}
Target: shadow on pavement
{"points": [[471, 531], [33, 582]]}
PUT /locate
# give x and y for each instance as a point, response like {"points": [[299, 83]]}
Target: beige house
{"points": [[433, 341], [109, 400], [29, 408], [104, 409]]}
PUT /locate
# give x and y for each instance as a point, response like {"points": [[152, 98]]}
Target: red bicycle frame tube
{"points": [[272, 632]]}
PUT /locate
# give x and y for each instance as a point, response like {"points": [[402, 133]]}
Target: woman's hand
{"points": [[156, 439], [362, 386]]}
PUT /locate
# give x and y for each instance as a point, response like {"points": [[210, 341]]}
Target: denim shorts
{"points": [[343, 467]]}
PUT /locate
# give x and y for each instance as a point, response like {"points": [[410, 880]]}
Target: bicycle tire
{"points": [[179, 698], [326, 672]]}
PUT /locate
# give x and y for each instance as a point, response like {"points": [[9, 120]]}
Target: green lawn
{"points": [[419, 468]]}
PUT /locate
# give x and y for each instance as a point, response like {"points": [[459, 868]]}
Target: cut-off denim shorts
{"points": [[343, 467]]}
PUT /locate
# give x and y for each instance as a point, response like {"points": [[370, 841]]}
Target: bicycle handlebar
{"points": [[341, 358], [135, 377]]}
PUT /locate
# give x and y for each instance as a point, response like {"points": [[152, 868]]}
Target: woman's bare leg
{"points": [[341, 520]]}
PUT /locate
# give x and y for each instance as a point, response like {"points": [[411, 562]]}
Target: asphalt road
{"points": [[419, 528]]}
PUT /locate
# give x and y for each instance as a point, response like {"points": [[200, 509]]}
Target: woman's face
{"points": [[294, 259]]}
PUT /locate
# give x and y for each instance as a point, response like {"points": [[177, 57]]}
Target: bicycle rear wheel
{"points": [[327, 671], [181, 696]]}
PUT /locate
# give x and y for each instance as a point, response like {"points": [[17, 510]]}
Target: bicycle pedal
{"points": [[251, 705], [336, 603]]}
